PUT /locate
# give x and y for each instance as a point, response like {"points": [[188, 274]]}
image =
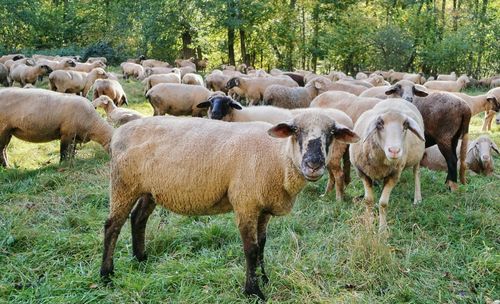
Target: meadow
{"points": [[444, 250]]}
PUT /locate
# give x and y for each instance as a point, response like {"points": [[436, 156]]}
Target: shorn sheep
{"points": [[75, 82], [479, 157], [254, 88], [28, 74], [37, 115], [296, 151], [116, 116], [291, 98], [4, 76], [448, 86], [111, 88], [388, 148]]}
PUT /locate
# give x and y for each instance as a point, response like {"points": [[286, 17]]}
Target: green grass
{"points": [[445, 250]]}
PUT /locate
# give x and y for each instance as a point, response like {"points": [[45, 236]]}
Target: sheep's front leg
{"points": [[368, 185], [138, 220], [346, 167], [488, 118], [261, 236], [67, 147], [4, 142], [416, 175], [247, 224], [389, 184]]}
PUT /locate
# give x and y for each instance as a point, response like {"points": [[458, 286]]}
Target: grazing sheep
{"points": [[137, 60], [387, 149], [37, 115], [402, 89], [11, 64], [132, 69], [153, 63], [324, 84], [116, 116], [4, 76], [12, 57], [192, 79], [254, 88], [415, 78], [28, 74], [482, 103], [95, 59], [361, 76], [111, 88], [290, 97], [64, 64], [446, 77], [486, 82], [228, 178], [478, 159], [180, 63], [87, 67], [299, 79], [75, 82], [177, 99], [449, 86], [217, 81], [151, 81]]}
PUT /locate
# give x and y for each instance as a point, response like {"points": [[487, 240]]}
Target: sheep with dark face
{"points": [[402, 89]]}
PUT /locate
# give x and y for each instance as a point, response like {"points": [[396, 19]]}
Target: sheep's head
{"points": [[233, 82], [389, 130], [311, 133], [481, 150], [70, 63], [45, 69], [101, 101], [497, 120], [17, 57], [463, 79], [407, 90], [493, 97], [219, 106]]}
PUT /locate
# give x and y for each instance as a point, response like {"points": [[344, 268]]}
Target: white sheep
{"points": [[243, 169], [448, 85], [291, 97], [254, 88], [87, 67], [387, 148], [111, 88], [116, 116], [132, 69], [28, 74], [447, 77], [192, 79], [75, 82]]}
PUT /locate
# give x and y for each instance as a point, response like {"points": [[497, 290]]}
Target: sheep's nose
{"points": [[394, 150], [313, 165], [408, 98], [485, 157]]}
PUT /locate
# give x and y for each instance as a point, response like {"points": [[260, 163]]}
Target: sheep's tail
{"points": [[463, 147]]}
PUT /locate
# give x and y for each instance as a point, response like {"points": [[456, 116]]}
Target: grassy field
{"points": [[445, 250]]}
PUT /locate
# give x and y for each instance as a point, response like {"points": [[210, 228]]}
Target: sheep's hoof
{"points": [[452, 186], [255, 291], [265, 279], [417, 201], [141, 257], [106, 277]]}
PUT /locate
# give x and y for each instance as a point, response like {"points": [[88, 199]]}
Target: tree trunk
{"points": [[187, 51], [455, 15], [303, 38], [443, 14], [482, 20], [290, 44], [244, 56], [315, 42], [230, 46]]}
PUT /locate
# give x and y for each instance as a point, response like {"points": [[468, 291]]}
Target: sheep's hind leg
{"points": [[138, 220], [247, 224], [261, 236], [451, 161], [4, 142]]}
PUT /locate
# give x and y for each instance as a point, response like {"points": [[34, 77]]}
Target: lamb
{"points": [[402, 89], [75, 82], [290, 97], [446, 77], [153, 63], [87, 67], [38, 115], [4, 76], [28, 74], [229, 151], [415, 78], [94, 59], [192, 79], [116, 116], [111, 88], [132, 69], [254, 88], [449, 86], [478, 159], [387, 148], [12, 57], [177, 99]]}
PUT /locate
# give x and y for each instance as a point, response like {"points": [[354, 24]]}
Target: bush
{"points": [[101, 49]]}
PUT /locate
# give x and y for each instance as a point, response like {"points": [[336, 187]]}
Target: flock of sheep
{"points": [[253, 160]]}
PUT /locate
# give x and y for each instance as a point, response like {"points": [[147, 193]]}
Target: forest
{"points": [[429, 36]]}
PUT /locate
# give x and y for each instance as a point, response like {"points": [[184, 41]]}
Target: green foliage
{"points": [[102, 49], [393, 48]]}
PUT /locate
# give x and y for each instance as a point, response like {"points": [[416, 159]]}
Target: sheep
{"points": [[430, 78], [336, 75], [449, 86], [201, 64], [356, 82], [38, 115], [387, 148], [384, 74], [290, 97], [415, 78], [153, 80], [132, 69], [216, 81], [324, 84], [486, 82], [402, 89], [28, 74], [137, 60], [12, 57], [11, 64], [299, 79], [94, 59], [4, 76], [177, 99], [450, 77], [490, 102], [478, 159], [75, 82], [180, 63], [361, 76], [111, 88], [87, 67], [275, 72], [293, 153], [395, 76], [192, 79], [64, 64], [375, 80], [153, 63], [495, 83], [254, 88], [116, 116]]}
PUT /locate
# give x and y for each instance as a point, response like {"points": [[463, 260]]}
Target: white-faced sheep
{"points": [[388, 148], [447, 77], [254, 88], [132, 69], [75, 82], [448, 86], [192, 79], [296, 151], [87, 67], [479, 157], [289, 97], [111, 88], [37, 115], [28, 74], [65, 64], [116, 116], [177, 99]]}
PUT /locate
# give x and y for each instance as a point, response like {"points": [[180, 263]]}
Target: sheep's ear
{"points": [[392, 90], [235, 105], [495, 148], [282, 130], [377, 124], [412, 125], [491, 98], [344, 134], [420, 91], [204, 105], [125, 101]]}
